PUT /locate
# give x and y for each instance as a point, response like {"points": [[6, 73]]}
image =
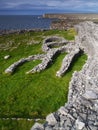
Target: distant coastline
{"points": [[25, 23], [5, 32], [85, 16], [68, 20]]}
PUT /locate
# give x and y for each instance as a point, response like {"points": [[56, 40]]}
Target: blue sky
{"points": [[48, 6]]}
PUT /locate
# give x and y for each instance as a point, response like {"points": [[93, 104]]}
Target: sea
{"points": [[20, 22]]}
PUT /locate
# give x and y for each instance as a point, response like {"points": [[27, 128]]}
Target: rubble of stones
{"points": [[81, 110], [64, 24], [52, 46]]}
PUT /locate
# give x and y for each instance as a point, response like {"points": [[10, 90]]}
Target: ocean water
{"points": [[9, 22]]}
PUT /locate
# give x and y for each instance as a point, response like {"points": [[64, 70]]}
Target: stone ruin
{"points": [[81, 110], [52, 46]]}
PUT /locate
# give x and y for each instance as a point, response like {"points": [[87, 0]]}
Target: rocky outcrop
{"points": [[81, 110]]}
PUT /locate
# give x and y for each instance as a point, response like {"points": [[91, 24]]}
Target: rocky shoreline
{"points": [[19, 31], [67, 21], [81, 110]]}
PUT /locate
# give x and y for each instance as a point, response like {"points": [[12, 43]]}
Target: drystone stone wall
{"points": [[52, 46], [14, 66], [81, 110]]}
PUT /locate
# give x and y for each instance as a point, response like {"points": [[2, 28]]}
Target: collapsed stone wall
{"points": [[52, 46], [81, 110]]}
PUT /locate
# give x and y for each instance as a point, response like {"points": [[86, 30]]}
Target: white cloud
{"points": [[50, 4]]}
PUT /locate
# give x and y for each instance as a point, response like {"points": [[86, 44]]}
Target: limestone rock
{"points": [[51, 119], [63, 111], [6, 57], [12, 68], [37, 126], [67, 61], [90, 95], [79, 124]]}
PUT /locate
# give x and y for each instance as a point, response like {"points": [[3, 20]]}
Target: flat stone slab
{"points": [[51, 119], [90, 95], [79, 124]]}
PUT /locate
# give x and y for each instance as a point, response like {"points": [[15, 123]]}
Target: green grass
{"points": [[15, 124], [36, 95]]}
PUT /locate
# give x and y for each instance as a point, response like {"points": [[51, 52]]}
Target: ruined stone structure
{"points": [[81, 110], [48, 47]]}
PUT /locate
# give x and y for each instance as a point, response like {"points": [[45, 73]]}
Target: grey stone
{"points": [[63, 111], [63, 118], [67, 61], [6, 57], [48, 128], [20, 62], [96, 123], [92, 127], [85, 128], [37, 126], [12, 68], [79, 124], [51, 119], [90, 95]]}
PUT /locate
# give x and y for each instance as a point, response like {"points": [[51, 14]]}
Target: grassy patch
{"points": [[10, 124], [34, 95]]}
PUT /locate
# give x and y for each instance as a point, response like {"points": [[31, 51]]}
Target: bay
{"points": [[19, 22]]}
